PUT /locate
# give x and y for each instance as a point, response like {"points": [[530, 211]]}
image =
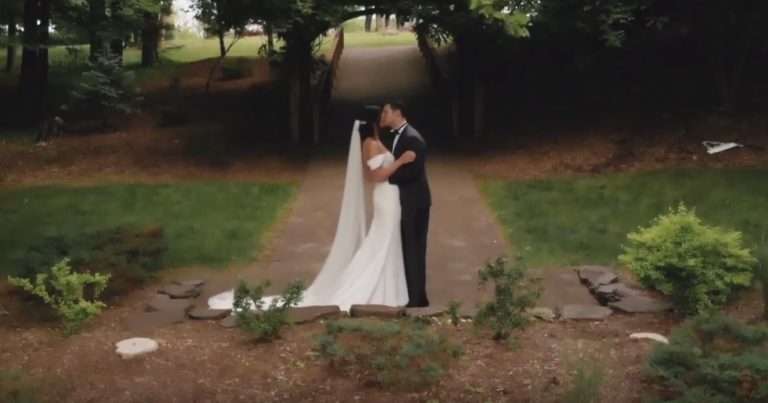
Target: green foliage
{"points": [[514, 293], [514, 19], [587, 374], [18, 386], [761, 272], [698, 266], [65, 292], [402, 353], [105, 87], [130, 257], [714, 359], [258, 319], [453, 312]]}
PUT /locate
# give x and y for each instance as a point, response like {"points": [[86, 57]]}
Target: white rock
{"points": [[136, 346], [651, 336]]}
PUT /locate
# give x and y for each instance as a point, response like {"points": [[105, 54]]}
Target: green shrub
{"points": [[258, 319], [587, 374], [17, 386], [129, 256], [698, 266], [714, 359], [64, 291], [761, 272], [402, 353], [514, 293], [453, 312], [105, 87]]}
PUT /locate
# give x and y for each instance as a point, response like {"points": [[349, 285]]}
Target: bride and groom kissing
{"points": [[385, 265]]}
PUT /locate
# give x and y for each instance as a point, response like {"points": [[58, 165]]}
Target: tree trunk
{"points": [[29, 58], [116, 43], [222, 48], [11, 53], [379, 22], [368, 22], [150, 33], [386, 21], [97, 16], [300, 59], [42, 61], [270, 38], [465, 85]]}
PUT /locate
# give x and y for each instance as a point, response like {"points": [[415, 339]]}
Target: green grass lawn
{"points": [[190, 50], [206, 223], [585, 220]]}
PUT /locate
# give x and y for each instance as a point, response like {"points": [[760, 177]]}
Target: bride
{"points": [[360, 268]]}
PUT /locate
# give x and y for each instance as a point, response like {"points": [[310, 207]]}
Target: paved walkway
{"points": [[463, 234]]}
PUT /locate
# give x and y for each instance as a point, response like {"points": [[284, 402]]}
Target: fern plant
{"points": [[65, 291]]}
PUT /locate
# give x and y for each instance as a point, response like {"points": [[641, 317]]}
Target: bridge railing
{"points": [[326, 83]]}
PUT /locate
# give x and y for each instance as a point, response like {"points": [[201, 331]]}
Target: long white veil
{"points": [[350, 230]]}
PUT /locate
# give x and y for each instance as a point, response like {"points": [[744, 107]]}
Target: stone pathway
{"points": [[463, 233]]}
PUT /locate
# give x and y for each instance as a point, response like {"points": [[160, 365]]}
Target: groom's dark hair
{"points": [[397, 105]]}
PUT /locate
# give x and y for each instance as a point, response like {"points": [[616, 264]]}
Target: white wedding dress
{"points": [[360, 268]]}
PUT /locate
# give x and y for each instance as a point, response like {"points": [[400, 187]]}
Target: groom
{"points": [[415, 199]]}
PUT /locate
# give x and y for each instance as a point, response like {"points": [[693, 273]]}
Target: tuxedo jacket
{"points": [[411, 178]]}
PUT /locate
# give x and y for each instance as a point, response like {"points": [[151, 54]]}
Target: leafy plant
{"points": [[402, 353], [130, 256], [514, 293], [105, 86], [18, 386], [264, 321], [761, 272], [714, 359], [587, 375], [696, 265], [65, 291], [453, 312]]}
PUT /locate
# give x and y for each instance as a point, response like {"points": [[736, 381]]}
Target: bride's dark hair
{"points": [[370, 119]]}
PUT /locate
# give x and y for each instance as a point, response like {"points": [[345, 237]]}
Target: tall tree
{"points": [[28, 79], [10, 11]]}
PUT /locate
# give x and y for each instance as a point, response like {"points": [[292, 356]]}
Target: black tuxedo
{"points": [[415, 201]]}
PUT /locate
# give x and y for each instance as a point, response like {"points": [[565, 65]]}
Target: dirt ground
{"points": [[201, 362]]}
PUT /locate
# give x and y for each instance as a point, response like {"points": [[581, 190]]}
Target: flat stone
{"points": [[641, 304], [229, 322], [607, 288], [584, 312], [376, 311], [307, 314], [162, 302], [623, 291], [649, 336], [543, 313], [205, 313], [135, 347], [145, 321], [426, 312], [593, 275], [605, 279], [193, 283], [180, 291]]}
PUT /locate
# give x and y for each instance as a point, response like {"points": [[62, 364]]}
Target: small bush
{"points": [[105, 87], [587, 375], [258, 319], [17, 386], [714, 359], [65, 291], [514, 294], [398, 353], [129, 256], [761, 272], [453, 312], [698, 266]]}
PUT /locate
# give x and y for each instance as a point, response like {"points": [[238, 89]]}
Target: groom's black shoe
{"points": [[415, 305]]}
